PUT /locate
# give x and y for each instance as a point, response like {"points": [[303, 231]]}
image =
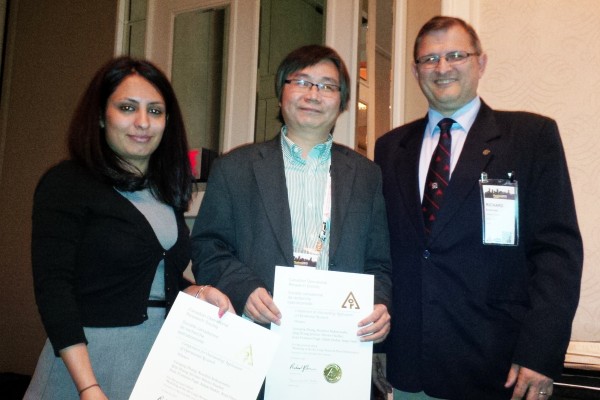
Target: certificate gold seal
{"points": [[332, 373]]}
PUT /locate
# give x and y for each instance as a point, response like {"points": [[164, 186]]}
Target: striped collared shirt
{"points": [[306, 181]]}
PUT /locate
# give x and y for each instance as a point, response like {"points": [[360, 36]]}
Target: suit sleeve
{"points": [[377, 259], [554, 252], [214, 256]]}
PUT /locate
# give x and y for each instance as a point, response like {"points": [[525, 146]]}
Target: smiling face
{"points": [[309, 113], [135, 120], [448, 88]]}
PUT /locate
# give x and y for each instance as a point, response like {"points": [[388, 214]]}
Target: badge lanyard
{"points": [[311, 255], [322, 237]]}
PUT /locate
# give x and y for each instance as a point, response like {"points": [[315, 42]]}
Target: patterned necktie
{"points": [[438, 175]]}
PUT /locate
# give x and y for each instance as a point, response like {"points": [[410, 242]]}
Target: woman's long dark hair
{"points": [[169, 173]]}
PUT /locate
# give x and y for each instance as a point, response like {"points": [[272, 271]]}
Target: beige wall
{"points": [[54, 47], [417, 13], [544, 57]]}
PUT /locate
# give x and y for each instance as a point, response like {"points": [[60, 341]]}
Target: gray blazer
{"points": [[243, 229]]}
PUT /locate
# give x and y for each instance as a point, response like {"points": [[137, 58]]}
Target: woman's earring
{"points": [[102, 123]]}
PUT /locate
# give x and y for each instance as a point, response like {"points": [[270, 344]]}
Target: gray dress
{"points": [[117, 354]]}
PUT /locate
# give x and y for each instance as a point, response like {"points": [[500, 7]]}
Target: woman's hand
{"points": [[211, 295]]}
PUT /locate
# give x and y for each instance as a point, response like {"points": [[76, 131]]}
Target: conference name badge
{"points": [[500, 210]]}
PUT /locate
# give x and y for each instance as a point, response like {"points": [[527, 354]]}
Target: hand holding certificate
{"points": [[320, 355], [198, 355]]}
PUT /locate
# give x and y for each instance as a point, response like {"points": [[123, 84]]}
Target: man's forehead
{"points": [[324, 70], [440, 37]]}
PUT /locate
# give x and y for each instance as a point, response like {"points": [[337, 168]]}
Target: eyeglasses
{"points": [[452, 58], [305, 86]]}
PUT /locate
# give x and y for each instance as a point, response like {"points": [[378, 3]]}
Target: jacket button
{"points": [[426, 254]]}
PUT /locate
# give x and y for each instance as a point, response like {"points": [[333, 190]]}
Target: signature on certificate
{"points": [[301, 368]]}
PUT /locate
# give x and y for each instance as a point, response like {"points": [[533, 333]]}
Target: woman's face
{"points": [[135, 120]]}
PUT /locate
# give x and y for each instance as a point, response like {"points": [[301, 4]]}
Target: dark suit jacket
{"points": [[243, 229], [464, 311]]}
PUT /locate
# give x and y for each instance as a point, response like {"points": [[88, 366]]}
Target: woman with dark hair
{"points": [[109, 240]]}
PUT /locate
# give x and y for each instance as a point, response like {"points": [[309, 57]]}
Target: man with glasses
{"points": [[476, 316], [299, 199]]}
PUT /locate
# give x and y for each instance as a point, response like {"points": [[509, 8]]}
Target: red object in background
{"points": [[200, 161], [194, 156]]}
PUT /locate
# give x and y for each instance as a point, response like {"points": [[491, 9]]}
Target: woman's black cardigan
{"points": [[94, 256]]}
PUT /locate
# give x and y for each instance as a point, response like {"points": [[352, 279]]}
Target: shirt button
{"points": [[426, 254]]}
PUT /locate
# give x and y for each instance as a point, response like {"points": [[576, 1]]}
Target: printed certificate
{"points": [[320, 356], [201, 357]]}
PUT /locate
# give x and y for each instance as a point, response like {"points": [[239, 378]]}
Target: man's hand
{"points": [[261, 308], [376, 326], [530, 385]]}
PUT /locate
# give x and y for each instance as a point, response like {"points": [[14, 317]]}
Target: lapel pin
{"points": [[486, 152]]}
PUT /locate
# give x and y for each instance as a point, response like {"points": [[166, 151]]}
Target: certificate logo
{"points": [[245, 356], [351, 302], [332, 373]]}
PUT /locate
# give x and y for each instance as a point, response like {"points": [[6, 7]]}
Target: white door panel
{"points": [[240, 96]]}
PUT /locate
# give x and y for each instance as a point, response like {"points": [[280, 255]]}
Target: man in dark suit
{"points": [[474, 320], [297, 197]]}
